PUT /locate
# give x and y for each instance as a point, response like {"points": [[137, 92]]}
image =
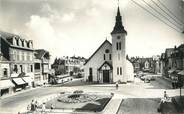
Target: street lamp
{"points": [[180, 82]]}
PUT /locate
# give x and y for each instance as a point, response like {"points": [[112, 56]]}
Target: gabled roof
{"points": [[106, 41], [107, 64], [40, 53]]}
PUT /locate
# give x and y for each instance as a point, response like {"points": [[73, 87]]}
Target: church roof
{"points": [[118, 28], [106, 41]]}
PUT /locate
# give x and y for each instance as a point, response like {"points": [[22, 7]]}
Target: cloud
{"points": [[43, 34], [92, 12], [68, 17]]}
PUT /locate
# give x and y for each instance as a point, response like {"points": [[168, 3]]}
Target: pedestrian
{"points": [[43, 108], [32, 105], [51, 107], [117, 85], [28, 107], [165, 95], [36, 105], [163, 100]]}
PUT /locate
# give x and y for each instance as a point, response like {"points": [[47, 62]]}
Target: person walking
{"points": [[43, 108], [32, 106], [36, 105], [166, 95], [117, 85], [51, 107]]}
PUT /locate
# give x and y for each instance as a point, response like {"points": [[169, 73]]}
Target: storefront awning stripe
{"points": [[6, 84], [27, 79], [171, 70], [19, 81], [181, 72]]}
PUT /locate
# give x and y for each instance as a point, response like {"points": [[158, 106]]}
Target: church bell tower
{"points": [[118, 50]]}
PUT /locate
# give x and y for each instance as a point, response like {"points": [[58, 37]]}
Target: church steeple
{"points": [[118, 28]]}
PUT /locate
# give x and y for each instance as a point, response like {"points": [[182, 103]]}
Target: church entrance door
{"points": [[106, 76]]}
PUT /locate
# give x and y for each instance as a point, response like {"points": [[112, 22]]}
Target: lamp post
{"points": [[180, 82]]}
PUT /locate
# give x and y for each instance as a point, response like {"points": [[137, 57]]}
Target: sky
{"points": [[79, 27]]}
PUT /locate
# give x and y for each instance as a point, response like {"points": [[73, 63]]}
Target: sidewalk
{"points": [[30, 89], [19, 92], [113, 106]]}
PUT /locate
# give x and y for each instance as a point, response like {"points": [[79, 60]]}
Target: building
{"points": [[68, 65], [17, 60], [108, 64], [172, 63], [149, 64], [6, 85], [41, 66]]}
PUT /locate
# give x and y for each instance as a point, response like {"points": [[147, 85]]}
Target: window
{"points": [[5, 73], [14, 55], [28, 57], [18, 56], [21, 68], [104, 56], [106, 51], [17, 41], [31, 68], [90, 71], [120, 70], [28, 44], [23, 56], [118, 37], [119, 45], [22, 43], [117, 70], [110, 57], [37, 66], [15, 68]]}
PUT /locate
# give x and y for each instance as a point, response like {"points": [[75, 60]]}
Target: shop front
{"points": [[6, 87], [19, 84]]}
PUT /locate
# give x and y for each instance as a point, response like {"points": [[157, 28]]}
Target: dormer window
{"points": [[27, 44], [17, 42], [22, 43]]}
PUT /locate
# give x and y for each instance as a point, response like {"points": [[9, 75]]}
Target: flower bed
{"points": [[80, 101]]}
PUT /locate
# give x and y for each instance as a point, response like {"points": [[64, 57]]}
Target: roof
{"points": [[106, 41], [169, 51], [104, 64], [40, 53], [118, 28]]}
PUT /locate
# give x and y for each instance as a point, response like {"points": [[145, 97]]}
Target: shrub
{"points": [[78, 92], [74, 96]]}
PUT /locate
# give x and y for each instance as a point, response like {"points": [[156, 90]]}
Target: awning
{"points": [[27, 79], [19, 81], [171, 71], [6, 84], [181, 72]]}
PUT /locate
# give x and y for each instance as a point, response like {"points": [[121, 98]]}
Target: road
{"points": [[135, 94]]}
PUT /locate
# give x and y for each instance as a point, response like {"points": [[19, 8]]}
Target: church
{"points": [[108, 64]]}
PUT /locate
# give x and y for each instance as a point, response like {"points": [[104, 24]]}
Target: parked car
{"points": [[147, 80]]}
